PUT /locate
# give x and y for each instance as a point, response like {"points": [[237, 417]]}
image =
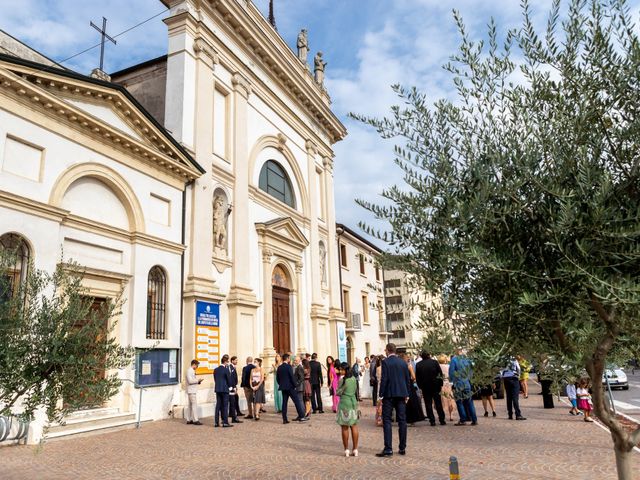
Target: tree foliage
{"points": [[521, 199], [57, 351]]}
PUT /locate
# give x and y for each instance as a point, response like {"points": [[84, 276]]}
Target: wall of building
{"points": [[366, 327]]}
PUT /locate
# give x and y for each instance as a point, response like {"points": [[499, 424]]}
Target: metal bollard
{"points": [[454, 473]]}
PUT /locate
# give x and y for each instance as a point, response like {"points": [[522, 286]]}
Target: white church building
{"points": [[203, 179]]}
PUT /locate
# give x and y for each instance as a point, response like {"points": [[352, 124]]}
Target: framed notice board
{"points": [[207, 336], [157, 367]]}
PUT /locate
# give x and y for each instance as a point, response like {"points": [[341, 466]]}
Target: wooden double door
{"points": [[281, 319]]}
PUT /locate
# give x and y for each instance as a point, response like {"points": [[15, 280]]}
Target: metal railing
{"points": [[385, 325], [354, 321], [139, 399], [6, 423]]}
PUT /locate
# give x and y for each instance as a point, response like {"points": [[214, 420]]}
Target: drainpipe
{"points": [[340, 231], [183, 239]]}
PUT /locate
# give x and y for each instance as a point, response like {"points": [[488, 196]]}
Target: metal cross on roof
{"points": [[272, 17], [103, 34]]}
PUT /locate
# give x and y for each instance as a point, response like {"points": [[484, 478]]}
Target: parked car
{"points": [[617, 377]]}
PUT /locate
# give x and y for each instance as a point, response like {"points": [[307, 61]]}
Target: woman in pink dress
{"points": [[332, 382]]}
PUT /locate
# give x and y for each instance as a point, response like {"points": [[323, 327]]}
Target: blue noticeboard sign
{"points": [[342, 342], [207, 336], [207, 314], [157, 367]]}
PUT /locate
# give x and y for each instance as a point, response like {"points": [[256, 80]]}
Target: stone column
{"points": [[301, 321], [268, 350], [315, 198], [241, 300], [200, 270], [332, 247]]}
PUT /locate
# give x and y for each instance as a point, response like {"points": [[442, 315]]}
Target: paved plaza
{"points": [[550, 445]]}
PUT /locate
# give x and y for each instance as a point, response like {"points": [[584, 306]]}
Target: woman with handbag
{"points": [[332, 382], [257, 384], [348, 413], [414, 405]]}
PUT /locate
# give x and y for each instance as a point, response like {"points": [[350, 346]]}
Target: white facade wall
{"points": [[371, 336], [91, 223]]}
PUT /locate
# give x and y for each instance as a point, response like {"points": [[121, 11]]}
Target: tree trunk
{"points": [[623, 442], [623, 464]]}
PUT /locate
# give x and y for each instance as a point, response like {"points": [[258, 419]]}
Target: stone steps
{"points": [[90, 421]]}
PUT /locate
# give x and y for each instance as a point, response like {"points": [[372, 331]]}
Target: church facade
{"points": [[261, 243], [198, 184]]}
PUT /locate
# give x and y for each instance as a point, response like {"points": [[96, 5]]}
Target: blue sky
{"points": [[368, 44]]}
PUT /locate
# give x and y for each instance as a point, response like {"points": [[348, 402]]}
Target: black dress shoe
{"points": [[216, 425], [402, 452], [236, 421], [321, 411], [384, 454], [520, 418], [248, 417], [286, 421], [474, 424], [197, 423], [226, 425], [433, 424], [189, 422], [443, 422], [297, 419]]}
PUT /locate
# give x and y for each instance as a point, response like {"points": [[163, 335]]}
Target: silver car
{"points": [[617, 377]]}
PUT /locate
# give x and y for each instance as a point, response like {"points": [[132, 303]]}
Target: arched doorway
{"points": [[350, 360], [280, 294]]}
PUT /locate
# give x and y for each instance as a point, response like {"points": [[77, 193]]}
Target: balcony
{"points": [[354, 322], [385, 327]]}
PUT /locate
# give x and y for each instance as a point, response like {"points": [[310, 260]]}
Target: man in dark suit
{"points": [[316, 384], [246, 385], [222, 378], [395, 384], [234, 400], [373, 379], [429, 380], [287, 385]]}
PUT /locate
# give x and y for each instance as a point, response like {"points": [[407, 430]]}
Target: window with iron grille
{"points": [[19, 255], [156, 304]]}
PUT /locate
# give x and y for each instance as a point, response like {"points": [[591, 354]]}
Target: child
{"points": [[584, 399], [571, 395]]}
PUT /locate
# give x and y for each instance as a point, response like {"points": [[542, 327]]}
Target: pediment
{"points": [[283, 230], [108, 115], [100, 109]]}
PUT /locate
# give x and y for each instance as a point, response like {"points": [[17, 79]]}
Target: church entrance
{"points": [[83, 399], [280, 301], [281, 323]]}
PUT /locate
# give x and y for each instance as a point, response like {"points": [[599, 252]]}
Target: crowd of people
{"points": [[396, 384]]}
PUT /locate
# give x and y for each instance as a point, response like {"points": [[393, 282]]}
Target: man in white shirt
{"points": [[192, 390]]}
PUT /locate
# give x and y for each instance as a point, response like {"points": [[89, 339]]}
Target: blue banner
{"points": [[207, 314], [342, 342]]}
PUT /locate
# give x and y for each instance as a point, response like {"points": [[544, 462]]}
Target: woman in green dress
{"points": [[277, 394], [348, 409]]}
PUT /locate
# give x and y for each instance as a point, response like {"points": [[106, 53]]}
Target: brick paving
{"points": [[550, 445]]}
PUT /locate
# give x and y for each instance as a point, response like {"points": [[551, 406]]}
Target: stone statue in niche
{"points": [[318, 69], [303, 46], [323, 263], [220, 214]]}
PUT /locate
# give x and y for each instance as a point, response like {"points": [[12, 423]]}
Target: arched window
{"points": [[156, 303], [275, 181], [17, 263]]}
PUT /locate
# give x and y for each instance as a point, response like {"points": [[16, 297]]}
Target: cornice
{"points": [[271, 203], [31, 87], [251, 32]]}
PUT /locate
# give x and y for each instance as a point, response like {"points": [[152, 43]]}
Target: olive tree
{"points": [[520, 205], [57, 348]]}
